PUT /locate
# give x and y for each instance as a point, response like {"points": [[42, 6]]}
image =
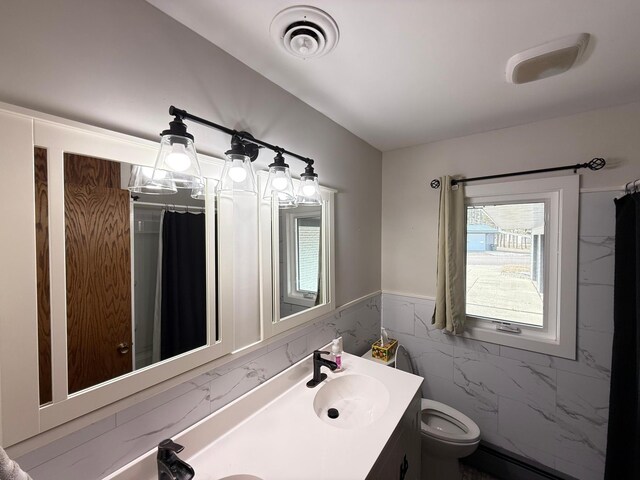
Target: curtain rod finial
{"points": [[596, 163]]}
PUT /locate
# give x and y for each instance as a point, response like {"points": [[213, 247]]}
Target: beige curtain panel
{"points": [[449, 313]]}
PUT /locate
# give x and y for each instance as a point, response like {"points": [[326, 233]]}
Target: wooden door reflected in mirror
{"points": [[98, 271], [42, 273]]}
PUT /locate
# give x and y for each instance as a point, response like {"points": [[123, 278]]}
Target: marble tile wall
{"points": [[551, 410], [105, 446]]}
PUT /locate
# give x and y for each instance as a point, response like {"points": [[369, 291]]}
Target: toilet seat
{"points": [[444, 424], [447, 423]]}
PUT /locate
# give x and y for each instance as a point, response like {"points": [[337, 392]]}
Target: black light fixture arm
{"points": [[184, 115], [594, 164], [244, 136]]}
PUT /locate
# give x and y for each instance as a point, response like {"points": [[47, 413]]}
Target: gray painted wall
{"points": [[410, 206], [120, 64]]}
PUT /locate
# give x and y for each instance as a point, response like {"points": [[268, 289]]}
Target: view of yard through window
{"points": [[308, 248], [505, 262]]}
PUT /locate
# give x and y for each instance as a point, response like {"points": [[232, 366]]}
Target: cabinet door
{"points": [[400, 459], [410, 446]]}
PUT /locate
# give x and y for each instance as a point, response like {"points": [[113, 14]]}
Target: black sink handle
{"points": [[169, 445]]}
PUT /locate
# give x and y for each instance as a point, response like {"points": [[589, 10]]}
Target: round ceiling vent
{"points": [[305, 32]]}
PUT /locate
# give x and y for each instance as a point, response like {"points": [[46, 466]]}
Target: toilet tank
{"points": [[403, 361]]}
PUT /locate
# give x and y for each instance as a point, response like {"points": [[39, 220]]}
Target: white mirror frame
{"points": [[269, 259], [21, 416]]}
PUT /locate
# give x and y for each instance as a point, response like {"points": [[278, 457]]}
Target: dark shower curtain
{"points": [[623, 436], [183, 318]]}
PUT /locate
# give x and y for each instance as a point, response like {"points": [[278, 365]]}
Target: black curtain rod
{"points": [[184, 115], [594, 164]]}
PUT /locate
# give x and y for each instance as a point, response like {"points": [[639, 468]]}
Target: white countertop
{"points": [[273, 432]]}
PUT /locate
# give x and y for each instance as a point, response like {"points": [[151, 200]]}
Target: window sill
{"points": [[525, 340], [300, 300]]}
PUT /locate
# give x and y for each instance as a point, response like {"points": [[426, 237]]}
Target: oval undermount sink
{"points": [[359, 400]]}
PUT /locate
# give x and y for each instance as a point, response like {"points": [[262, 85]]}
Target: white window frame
{"points": [[289, 284], [561, 197]]}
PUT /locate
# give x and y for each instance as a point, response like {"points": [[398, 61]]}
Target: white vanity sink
{"points": [[358, 400], [280, 430]]}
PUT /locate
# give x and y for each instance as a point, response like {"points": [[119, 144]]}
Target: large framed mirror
{"points": [[135, 271], [120, 292], [297, 262]]}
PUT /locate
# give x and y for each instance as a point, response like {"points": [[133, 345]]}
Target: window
{"points": [[300, 255], [521, 264], [307, 255], [505, 262]]}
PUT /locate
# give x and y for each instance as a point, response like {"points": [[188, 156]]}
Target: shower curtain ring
{"points": [[626, 188]]}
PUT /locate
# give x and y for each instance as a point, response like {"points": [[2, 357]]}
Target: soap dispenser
{"points": [[336, 351]]}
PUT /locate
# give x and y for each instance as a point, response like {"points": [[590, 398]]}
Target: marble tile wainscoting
{"points": [[548, 409], [105, 446]]}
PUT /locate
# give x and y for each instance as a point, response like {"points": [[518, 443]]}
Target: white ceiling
{"points": [[407, 72]]}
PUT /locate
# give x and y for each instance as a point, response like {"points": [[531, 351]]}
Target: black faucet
{"points": [[170, 467], [318, 362]]}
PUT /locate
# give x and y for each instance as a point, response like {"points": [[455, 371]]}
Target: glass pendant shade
{"points": [[141, 181], [309, 191], [237, 175], [200, 193], [280, 186], [177, 157], [284, 200]]}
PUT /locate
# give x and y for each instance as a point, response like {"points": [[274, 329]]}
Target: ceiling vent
{"points": [[305, 32], [546, 60]]}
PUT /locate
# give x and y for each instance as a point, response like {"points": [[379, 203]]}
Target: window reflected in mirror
{"points": [[136, 274], [300, 252]]}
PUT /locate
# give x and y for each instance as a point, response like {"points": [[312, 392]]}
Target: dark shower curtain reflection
{"points": [[623, 437], [183, 319]]}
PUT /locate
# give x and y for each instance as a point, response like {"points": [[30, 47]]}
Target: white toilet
{"points": [[447, 434]]}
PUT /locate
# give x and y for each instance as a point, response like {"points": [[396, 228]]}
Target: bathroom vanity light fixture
{"points": [[141, 177], [309, 190], [177, 155], [238, 174], [279, 183], [177, 166]]}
